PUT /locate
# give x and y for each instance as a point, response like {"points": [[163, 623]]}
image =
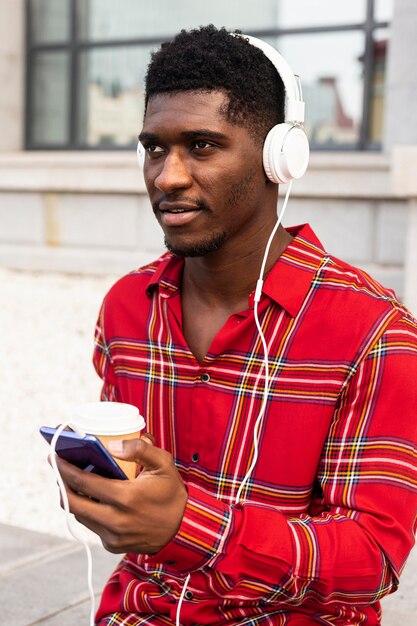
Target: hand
{"points": [[140, 515]]}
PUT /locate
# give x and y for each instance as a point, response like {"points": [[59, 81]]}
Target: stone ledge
{"points": [[75, 260], [330, 174], [403, 173], [91, 172]]}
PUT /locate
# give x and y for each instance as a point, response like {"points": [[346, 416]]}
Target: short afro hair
{"points": [[207, 59]]}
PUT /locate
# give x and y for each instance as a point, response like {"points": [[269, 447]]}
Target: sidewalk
{"points": [[43, 581]]}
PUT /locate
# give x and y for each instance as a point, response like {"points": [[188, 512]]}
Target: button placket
{"points": [[202, 377]]}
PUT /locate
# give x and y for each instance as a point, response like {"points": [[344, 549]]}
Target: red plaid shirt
{"points": [[326, 522]]}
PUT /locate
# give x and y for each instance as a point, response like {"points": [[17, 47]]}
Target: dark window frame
{"points": [[74, 46]]}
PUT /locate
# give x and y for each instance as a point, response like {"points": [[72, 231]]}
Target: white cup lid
{"points": [[108, 418]]}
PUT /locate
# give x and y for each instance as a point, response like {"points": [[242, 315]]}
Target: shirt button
{"points": [[195, 457], [189, 595], [205, 377]]}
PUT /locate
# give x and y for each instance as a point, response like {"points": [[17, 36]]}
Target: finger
{"points": [[104, 490], [122, 450], [92, 524], [108, 521], [147, 455], [148, 438], [101, 519]]}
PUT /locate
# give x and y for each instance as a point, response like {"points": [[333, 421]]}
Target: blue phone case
{"points": [[87, 453]]}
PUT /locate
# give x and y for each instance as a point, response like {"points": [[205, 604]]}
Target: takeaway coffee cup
{"points": [[111, 420]]}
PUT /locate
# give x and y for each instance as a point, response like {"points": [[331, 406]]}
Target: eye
{"points": [[153, 148], [201, 144]]}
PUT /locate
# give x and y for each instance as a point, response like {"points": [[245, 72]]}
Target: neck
{"points": [[226, 278]]}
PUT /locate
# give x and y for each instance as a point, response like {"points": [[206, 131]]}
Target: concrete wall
{"points": [[75, 212], [11, 74], [404, 182], [90, 213], [401, 83]]}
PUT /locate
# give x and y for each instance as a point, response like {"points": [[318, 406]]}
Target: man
{"points": [[324, 523]]}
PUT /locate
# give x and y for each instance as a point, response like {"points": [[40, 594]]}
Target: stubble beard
{"points": [[213, 241], [209, 242]]}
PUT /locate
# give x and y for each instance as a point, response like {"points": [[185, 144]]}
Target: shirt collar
{"points": [[287, 282], [167, 272]]}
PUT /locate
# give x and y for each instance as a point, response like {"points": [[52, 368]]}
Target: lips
{"points": [[166, 206], [177, 213]]}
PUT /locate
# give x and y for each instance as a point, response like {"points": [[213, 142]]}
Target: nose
{"points": [[174, 173]]}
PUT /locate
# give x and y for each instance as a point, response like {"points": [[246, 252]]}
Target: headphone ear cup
{"points": [[286, 153], [140, 153]]}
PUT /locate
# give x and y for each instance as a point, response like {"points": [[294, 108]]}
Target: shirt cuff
{"points": [[202, 533]]}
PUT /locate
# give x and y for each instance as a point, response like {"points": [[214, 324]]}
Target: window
{"points": [[86, 61]]}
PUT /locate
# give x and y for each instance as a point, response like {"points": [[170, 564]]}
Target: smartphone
{"points": [[87, 452]]}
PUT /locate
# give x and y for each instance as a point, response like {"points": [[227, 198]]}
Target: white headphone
{"points": [[286, 150]]}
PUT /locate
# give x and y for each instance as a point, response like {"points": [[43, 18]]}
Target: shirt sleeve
{"points": [[102, 361], [354, 550]]}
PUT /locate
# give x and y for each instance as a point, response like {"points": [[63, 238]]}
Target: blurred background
{"points": [[74, 214], [71, 195]]}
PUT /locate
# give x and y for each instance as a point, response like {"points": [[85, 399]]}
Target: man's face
{"points": [[204, 175]]}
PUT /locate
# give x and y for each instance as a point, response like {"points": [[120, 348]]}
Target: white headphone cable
{"points": [[68, 519], [181, 600], [257, 297], [258, 292]]}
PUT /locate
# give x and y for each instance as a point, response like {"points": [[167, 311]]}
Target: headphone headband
{"points": [[286, 151], [295, 107]]}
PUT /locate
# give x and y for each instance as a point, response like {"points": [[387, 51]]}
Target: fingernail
{"points": [[115, 446]]}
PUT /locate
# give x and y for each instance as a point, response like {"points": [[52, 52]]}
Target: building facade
{"points": [[71, 195]]}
